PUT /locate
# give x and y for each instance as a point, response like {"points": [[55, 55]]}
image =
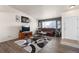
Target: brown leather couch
{"points": [[49, 31]]}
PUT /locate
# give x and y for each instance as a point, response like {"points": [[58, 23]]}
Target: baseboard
{"points": [[7, 39]]}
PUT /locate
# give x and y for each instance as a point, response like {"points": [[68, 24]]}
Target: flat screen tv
{"points": [[25, 29]]}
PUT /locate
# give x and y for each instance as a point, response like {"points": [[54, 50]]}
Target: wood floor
{"points": [[10, 47], [53, 46]]}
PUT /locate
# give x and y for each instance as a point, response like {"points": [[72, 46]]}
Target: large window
{"points": [[58, 24], [49, 24]]}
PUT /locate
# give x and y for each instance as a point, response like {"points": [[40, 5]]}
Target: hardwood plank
{"points": [[54, 46], [11, 47]]}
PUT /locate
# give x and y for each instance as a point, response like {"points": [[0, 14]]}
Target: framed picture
{"points": [[17, 18], [25, 19]]}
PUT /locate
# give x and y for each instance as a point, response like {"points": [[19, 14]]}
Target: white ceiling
{"points": [[42, 11]]}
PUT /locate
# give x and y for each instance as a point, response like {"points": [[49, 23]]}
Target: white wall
{"points": [[70, 24], [42, 11], [9, 28]]}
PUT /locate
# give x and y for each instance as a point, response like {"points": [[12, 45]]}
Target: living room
{"points": [[22, 25]]}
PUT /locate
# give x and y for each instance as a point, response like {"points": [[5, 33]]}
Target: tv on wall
{"points": [[25, 29]]}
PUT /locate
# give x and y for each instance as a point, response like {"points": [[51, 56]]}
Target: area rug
{"points": [[34, 47]]}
